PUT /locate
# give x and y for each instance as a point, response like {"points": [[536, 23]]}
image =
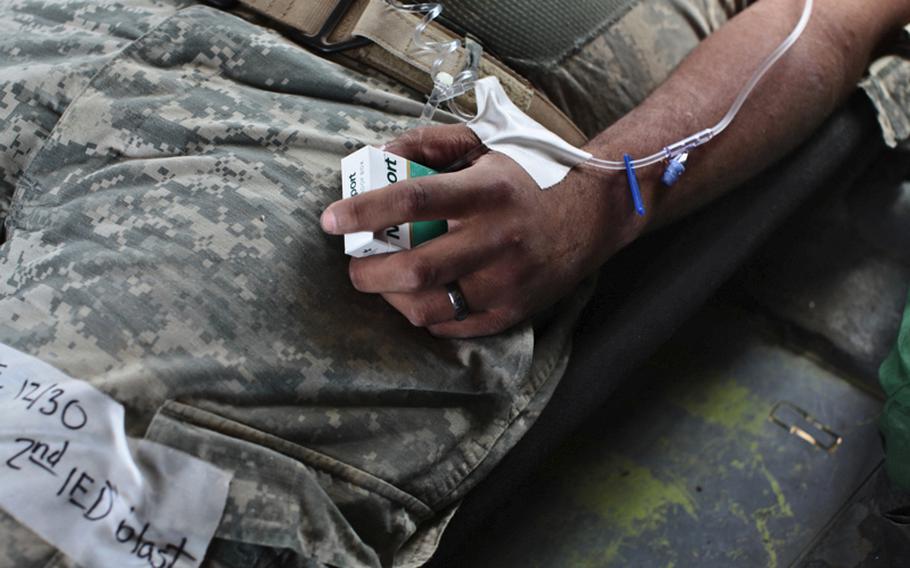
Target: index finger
{"points": [[437, 146], [441, 196]]}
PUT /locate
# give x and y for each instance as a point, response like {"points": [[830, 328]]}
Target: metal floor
{"points": [[683, 466], [687, 469]]}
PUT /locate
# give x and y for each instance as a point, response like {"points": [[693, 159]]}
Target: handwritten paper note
{"points": [[69, 472]]}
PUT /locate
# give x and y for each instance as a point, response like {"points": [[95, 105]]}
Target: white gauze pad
{"points": [[505, 128]]}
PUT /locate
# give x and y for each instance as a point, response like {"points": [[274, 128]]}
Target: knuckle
{"points": [[419, 316], [514, 238], [511, 238], [355, 273], [419, 275], [410, 138], [500, 188], [356, 212], [420, 133], [415, 199]]}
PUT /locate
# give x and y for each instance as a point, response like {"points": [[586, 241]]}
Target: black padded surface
{"points": [[526, 33], [647, 291]]}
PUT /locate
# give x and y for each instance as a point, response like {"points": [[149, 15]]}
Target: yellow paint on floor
{"points": [[628, 496], [725, 403]]}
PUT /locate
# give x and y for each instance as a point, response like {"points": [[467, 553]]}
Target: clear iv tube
{"points": [[699, 138], [445, 87]]}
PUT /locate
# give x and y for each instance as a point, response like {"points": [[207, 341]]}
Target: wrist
{"points": [[619, 220], [609, 211]]}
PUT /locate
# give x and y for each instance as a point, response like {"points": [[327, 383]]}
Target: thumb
{"points": [[437, 147]]}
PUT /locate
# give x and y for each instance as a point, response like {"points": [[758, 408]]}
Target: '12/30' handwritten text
{"points": [[53, 402]]}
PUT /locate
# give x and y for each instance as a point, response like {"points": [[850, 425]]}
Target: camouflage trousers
{"points": [[163, 166]]}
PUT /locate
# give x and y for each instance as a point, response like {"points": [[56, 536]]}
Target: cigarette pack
{"points": [[368, 169]]}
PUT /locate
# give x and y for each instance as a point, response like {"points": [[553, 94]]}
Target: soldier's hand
{"points": [[512, 248]]}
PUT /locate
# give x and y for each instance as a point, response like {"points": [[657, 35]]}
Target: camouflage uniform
{"points": [[165, 165], [888, 86]]}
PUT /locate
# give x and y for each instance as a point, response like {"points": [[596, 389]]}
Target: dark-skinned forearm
{"points": [[794, 98], [514, 249]]}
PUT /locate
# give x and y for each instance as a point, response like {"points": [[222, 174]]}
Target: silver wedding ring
{"points": [[459, 304]]}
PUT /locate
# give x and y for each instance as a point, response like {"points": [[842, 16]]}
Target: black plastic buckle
{"points": [[318, 41]]}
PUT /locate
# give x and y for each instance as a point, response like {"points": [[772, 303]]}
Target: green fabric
{"points": [[895, 422]]}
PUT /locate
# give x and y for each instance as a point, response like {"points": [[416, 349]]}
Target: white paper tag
{"points": [[70, 474]]}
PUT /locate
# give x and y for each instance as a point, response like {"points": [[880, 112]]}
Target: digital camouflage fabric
{"points": [[601, 80], [163, 166], [169, 167]]}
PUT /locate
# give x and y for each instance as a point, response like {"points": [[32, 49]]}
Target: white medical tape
{"points": [[70, 474], [505, 128]]}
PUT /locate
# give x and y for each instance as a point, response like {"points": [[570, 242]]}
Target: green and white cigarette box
{"points": [[371, 168]]}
